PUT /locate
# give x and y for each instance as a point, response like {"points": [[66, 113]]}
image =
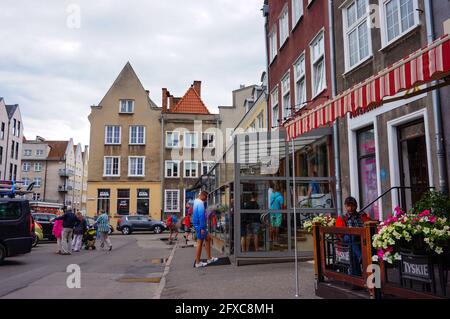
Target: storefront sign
{"points": [[416, 267], [103, 194], [143, 193]]}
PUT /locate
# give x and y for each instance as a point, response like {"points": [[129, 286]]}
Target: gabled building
{"points": [[125, 144], [190, 136]]}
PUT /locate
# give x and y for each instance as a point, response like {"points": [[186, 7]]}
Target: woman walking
{"points": [[78, 232], [57, 232], [103, 229]]}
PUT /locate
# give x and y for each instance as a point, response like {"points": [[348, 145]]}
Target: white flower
{"points": [[426, 230], [397, 256], [375, 258], [439, 250]]}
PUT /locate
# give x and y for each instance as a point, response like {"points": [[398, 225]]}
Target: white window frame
{"points": [[207, 164], [195, 134], [286, 90], [127, 110], [365, 19], [274, 97], [213, 142], [283, 22], [130, 167], [273, 44], [171, 140], [190, 170], [38, 182], [26, 167], [39, 152], [315, 60], [176, 207], [106, 134], [383, 18], [27, 152], [297, 14], [26, 181], [112, 166], [38, 164], [300, 78], [138, 127], [166, 168]]}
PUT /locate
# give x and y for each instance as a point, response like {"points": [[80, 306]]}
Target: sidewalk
{"points": [[269, 281]]}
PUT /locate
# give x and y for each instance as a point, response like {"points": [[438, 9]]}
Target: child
{"points": [[57, 232], [172, 224]]}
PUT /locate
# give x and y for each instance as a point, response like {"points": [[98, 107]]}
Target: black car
{"points": [[16, 228], [129, 224], [46, 221]]}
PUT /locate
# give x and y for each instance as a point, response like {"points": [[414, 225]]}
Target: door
{"points": [[146, 223], [414, 163]]}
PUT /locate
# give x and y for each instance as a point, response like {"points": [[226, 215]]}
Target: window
{"points": [[27, 153], [37, 167], [399, 16], [190, 140], [111, 166], [123, 202], [136, 166], [15, 173], [37, 197], [143, 201], [103, 200], [26, 166], [318, 64], [356, 32], [297, 11], [172, 169], [273, 47], [274, 103], [171, 200], [39, 152], [26, 181], [37, 182], [126, 106], [208, 140], [260, 120], [2, 132], [17, 151], [300, 82], [113, 135], [13, 148], [1, 156], [284, 26], [190, 169], [207, 166], [286, 94], [18, 129], [15, 127], [137, 135], [172, 139]]}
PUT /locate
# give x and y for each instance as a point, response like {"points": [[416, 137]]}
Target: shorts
{"points": [[199, 235], [253, 228], [243, 230], [276, 219]]}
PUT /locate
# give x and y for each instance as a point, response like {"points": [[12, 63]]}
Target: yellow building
{"points": [[124, 162]]}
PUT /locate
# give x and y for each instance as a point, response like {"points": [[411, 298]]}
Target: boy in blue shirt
{"points": [[199, 222]]}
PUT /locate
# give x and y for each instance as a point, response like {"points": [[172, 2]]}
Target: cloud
{"points": [[55, 72]]}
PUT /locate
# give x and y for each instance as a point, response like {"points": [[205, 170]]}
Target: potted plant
{"points": [[324, 220]]}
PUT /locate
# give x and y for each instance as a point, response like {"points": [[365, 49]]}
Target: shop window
{"points": [[143, 201], [123, 201], [103, 198]]}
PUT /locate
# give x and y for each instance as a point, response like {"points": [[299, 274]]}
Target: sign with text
{"points": [[416, 267]]}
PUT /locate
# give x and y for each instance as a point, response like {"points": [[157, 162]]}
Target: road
{"points": [[132, 270]]}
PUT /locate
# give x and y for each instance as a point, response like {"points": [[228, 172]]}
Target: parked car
{"points": [[91, 222], [129, 224], [46, 221], [38, 234], [16, 228]]}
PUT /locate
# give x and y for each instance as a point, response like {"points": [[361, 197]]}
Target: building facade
{"points": [[125, 142], [11, 139], [190, 133]]}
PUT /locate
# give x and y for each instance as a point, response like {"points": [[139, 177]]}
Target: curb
{"points": [[162, 284]]}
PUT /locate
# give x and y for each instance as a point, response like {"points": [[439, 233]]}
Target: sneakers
{"points": [[200, 265], [110, 248], [212, 260]]}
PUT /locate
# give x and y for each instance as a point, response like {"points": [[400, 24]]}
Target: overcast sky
{"points": [[55, 70]]}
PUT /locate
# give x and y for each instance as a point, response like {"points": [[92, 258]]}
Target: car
{"points": [[46, 220], [38, 234], [91, 223], [130, 223], [16, 228]]}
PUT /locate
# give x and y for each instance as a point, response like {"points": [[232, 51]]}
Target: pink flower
{"points": [[398, 211], [389, 249], [432, 219], [380, 253]]}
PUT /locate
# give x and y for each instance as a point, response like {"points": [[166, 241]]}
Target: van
{"points": [[16, 227]]}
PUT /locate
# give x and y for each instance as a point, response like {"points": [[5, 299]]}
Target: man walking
{"points": [[70, 220], [103, 229], [199, 222]]}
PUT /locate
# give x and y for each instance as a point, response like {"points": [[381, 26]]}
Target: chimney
{"points": [[198, 87], [171, 104], [164, 100]]}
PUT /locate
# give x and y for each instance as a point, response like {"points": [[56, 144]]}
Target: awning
{"points": [[425, 65]]}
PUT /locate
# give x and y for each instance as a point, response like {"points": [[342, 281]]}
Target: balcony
{"points": [[65, 188], [64, 172]]}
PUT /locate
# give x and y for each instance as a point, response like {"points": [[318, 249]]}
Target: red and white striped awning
{"points": [[427, 64]]}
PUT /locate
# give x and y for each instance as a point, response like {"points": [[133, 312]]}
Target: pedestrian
{"points": [[199, 222], [172, 223], [276, 219], [103, 228], [69, 221], [78, 232], [187, 224], [57, 232]]}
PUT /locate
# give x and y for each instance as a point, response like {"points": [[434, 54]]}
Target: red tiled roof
{"points": [[57, 149], [191, 103]]}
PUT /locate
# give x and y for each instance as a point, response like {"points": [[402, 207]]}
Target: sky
{"points": [[58, 57]]}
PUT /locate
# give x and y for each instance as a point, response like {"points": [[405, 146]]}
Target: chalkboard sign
{"points": [[416, 267]]}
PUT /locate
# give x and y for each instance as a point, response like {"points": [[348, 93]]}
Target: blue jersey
{"points": [[198, 216]]}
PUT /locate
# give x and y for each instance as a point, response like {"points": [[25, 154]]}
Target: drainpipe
{"points": [[336, 145], [266, 33], [437, 114]]}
